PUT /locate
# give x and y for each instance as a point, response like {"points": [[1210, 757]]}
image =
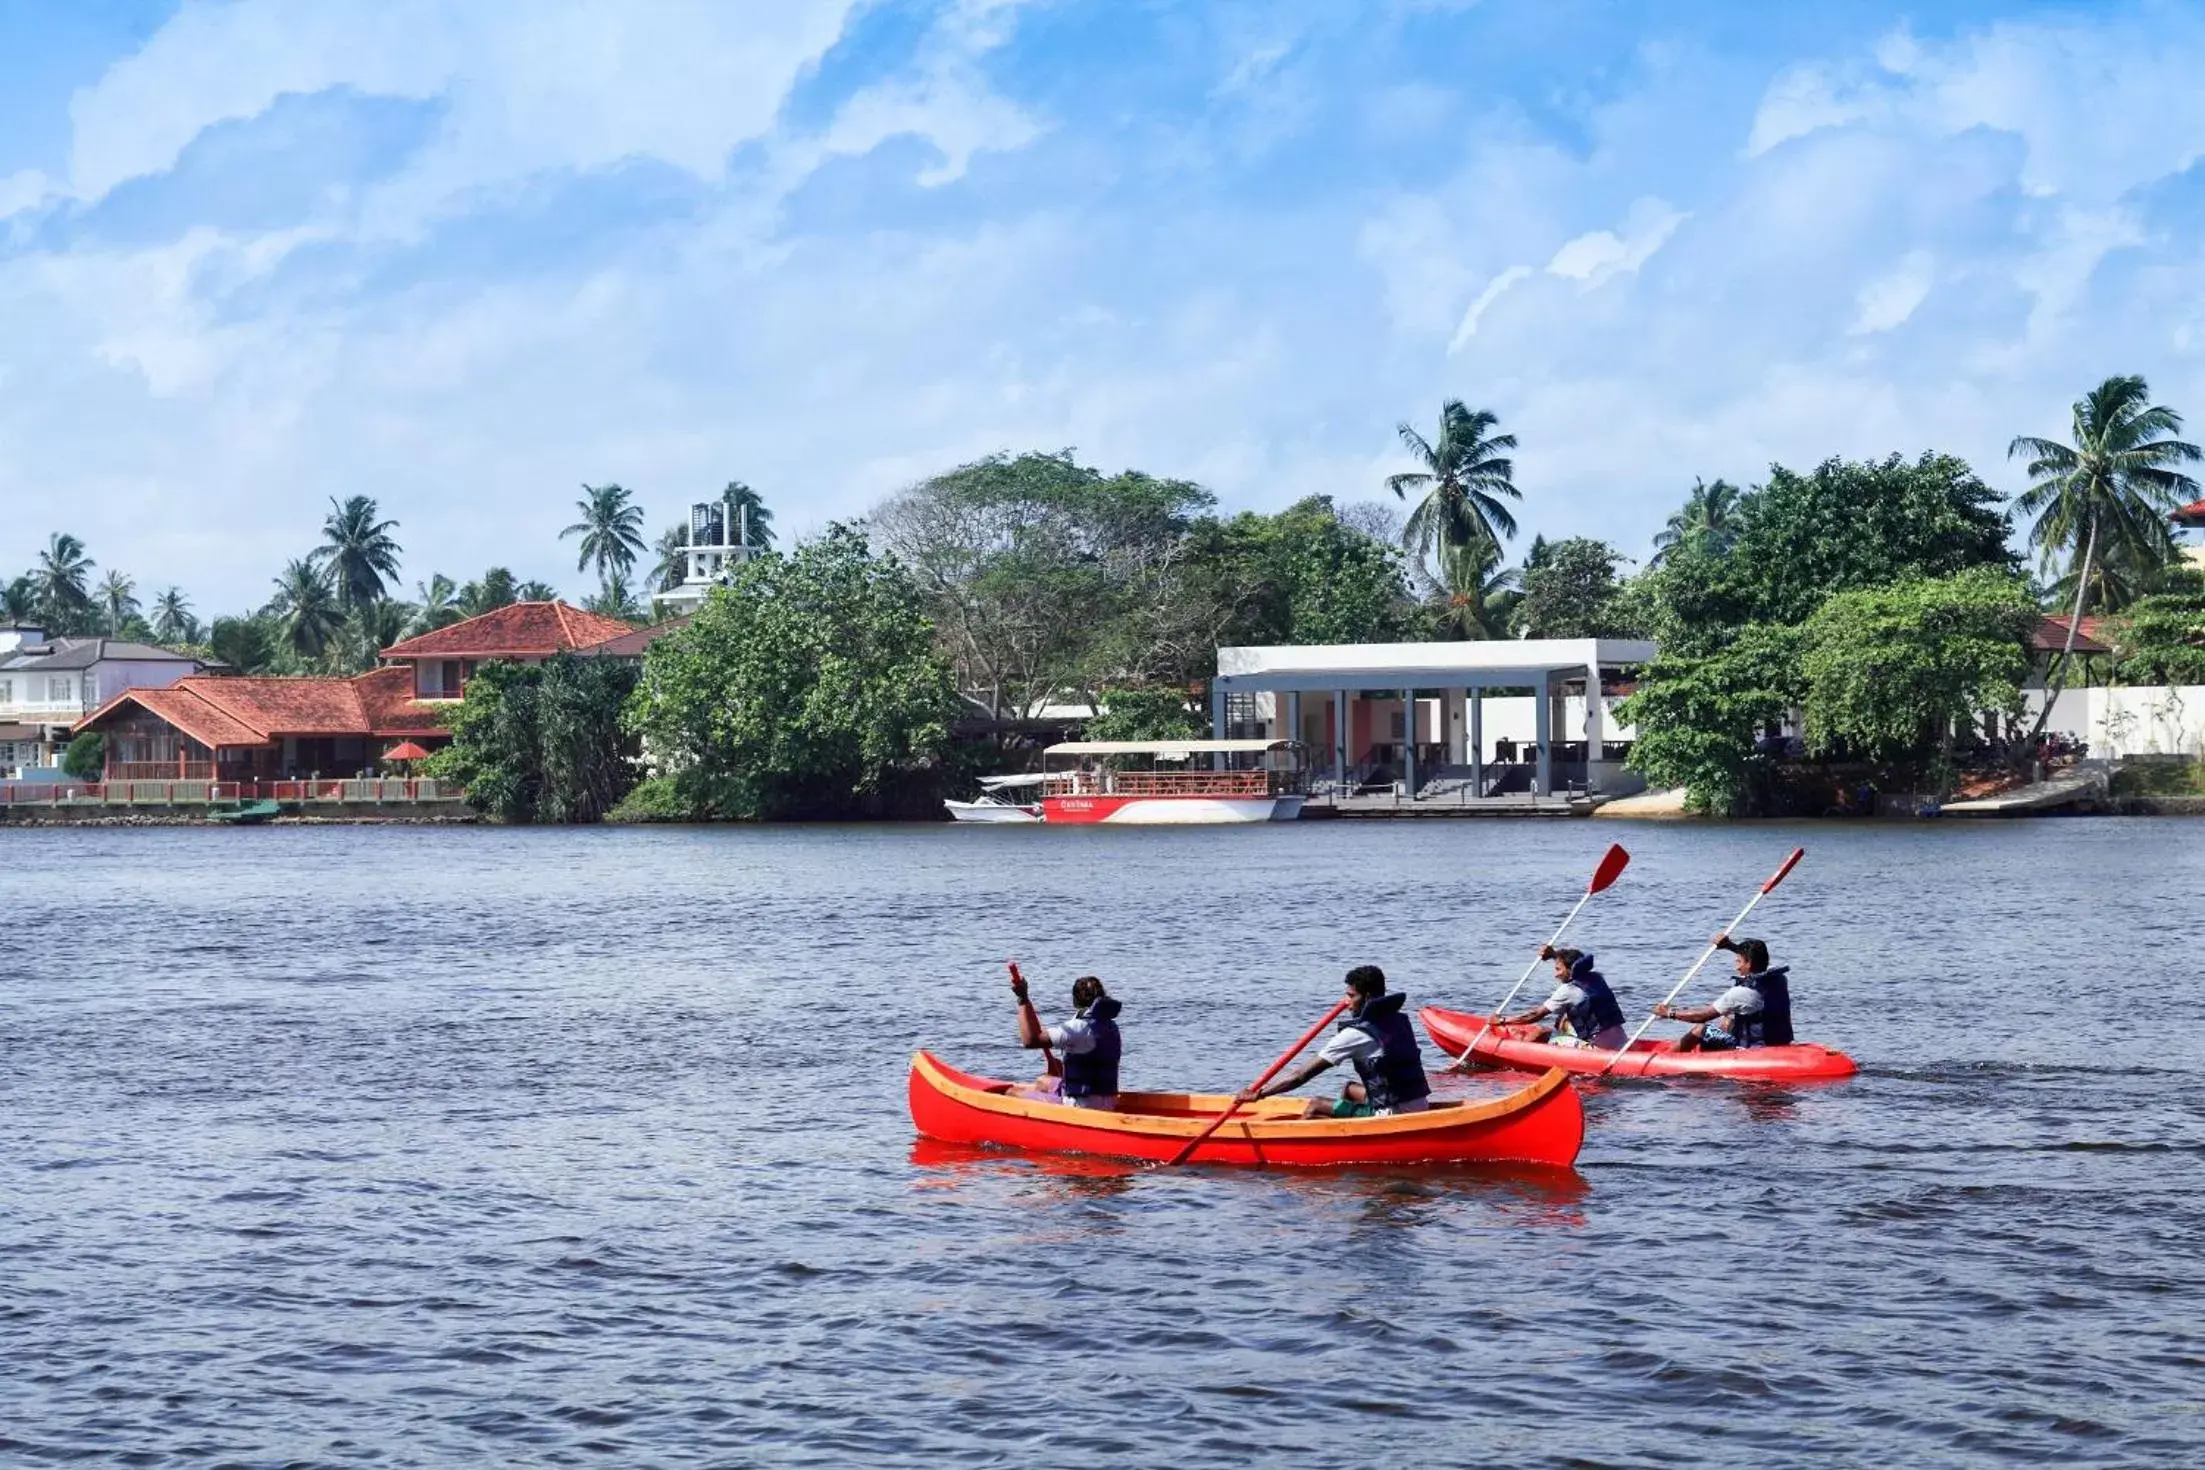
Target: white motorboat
{"points": [[996, 803]]}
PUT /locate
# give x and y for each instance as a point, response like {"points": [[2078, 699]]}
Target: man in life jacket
{"points": [[1755, 1011], [1377, 1040], [1084, 1071], [1582, 998]]}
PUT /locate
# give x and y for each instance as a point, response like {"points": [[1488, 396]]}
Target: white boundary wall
{"points": [[2129, 720]]}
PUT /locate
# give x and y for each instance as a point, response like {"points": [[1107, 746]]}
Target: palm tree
{"points": [[59, 582], [1709, 522], [305, 608], [496, 589], [535, 591], [2114, 487], [359, 549], [750, 509], [19, 600], [1476, 593], [118, 600], [438, 607], [611, 530], [172, 619], [369, 629], [672, 551], [614, 600], [1464, 478]]}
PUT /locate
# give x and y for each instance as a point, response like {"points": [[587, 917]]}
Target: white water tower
{"points": [[718, 531]]}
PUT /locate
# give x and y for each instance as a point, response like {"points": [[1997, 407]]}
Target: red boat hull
{"points": [[1543, 1123], [1510, 1046]]}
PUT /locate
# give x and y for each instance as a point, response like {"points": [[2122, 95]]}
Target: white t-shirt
{"points": [[1348, 1043], [1741, 1000], [1565, 995], [1076, 1037]]}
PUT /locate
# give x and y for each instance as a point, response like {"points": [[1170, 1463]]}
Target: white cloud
{"points": [[1889, 300], [1494, 290], [1594, 259]]}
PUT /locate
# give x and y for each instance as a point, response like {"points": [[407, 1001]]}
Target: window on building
{"points": [[449, 679], [57, 690], [7, 691]]}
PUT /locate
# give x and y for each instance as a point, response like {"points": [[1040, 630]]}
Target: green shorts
{"points": [[1342, 1108]]}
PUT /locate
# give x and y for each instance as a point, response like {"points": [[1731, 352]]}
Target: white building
{"points": [[719, 532], [48, 685], [1536, 711]]}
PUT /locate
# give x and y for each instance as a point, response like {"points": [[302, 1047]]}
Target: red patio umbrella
{"points": [[406, 751]]}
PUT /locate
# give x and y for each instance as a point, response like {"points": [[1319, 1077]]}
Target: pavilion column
{"points": [[1293, 714], [1596, 732], [1408, 741], [1477, 740], [1339, 738], [1217, 721], [1543, 733]]}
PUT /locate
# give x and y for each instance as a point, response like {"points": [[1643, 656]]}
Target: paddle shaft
{"points": [[1705, 955], [1048, 1058], [1275, 1068]]}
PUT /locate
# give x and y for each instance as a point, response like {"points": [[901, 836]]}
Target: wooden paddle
{"points": [[1025, 1003], [1275, 1068], [1612, 864], [1709, 953]]}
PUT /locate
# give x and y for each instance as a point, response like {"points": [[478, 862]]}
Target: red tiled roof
{"points": [[2192, 514], [519, 630], [632, 643], [2050, 635], [258, 711]]}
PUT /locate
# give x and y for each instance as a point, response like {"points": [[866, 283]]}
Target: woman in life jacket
{"points": [[1378, 1041], [1581, 999], [1755, 1011], [1084, 1071]]}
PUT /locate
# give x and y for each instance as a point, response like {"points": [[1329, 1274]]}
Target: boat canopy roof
{"points": [[1165, 747], [998, 783]]}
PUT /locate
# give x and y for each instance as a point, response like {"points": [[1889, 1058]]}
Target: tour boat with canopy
{"points": [[996, 803], [1542, 1123], [1173, 782]]}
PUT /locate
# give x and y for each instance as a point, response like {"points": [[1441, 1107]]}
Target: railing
{"points": [[42, 712], [365, 791], [1167, 783]]}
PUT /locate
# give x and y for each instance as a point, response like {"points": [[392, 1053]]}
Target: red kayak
{"points": [[1511, 1046], [1540, 1124]]}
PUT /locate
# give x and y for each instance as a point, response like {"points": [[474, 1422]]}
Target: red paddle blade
{"points": [[1785, 871], [1612, 864]]}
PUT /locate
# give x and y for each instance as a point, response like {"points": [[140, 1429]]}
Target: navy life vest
{"points": [[1598, 1010], [1772, 1026], [1094, 1072], [1396, 1075]]}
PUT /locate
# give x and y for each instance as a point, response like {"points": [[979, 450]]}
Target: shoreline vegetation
{"points": [[1853, 628]]}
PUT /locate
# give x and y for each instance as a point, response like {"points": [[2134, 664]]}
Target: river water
{"points": [[459, 1146]]}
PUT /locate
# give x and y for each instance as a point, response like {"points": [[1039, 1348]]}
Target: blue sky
{"points": [[465, 257]]}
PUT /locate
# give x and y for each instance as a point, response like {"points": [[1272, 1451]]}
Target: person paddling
{"points": [[1582, 998], [1085, 1069], [1755, 1011], [1377, 1040]]}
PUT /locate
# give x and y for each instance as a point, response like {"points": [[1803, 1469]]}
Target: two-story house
{"points": [[48, 685]]}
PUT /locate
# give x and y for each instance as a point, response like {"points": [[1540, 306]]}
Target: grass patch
{"points": [[2160, 776]]}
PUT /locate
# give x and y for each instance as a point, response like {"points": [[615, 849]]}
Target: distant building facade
{"points": [[719, 535], [47, 686]]}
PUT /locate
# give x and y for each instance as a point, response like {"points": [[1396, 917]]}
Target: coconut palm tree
{"points": [[370, 628], [305, 608], [172, 619], [611, 530], [615, 600], [2110, 493], [59, 582], [358, 548], [496, 589], [19, 600], [756, 522], [672, 553], [1476, 593], [535, 591], [1464, 478], [438, 606], [118, 601], [1709, 522]]}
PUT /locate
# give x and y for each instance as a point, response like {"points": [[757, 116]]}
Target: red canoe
{"points": [[1540, 1124], [1510, 1046]]}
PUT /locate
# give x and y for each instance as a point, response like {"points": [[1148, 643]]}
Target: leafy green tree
{"points": [[172, 618], [118, 602], [1345, 588], [1571, 591], [1464, 478], [1708, 522], [358, 550], [807, 686], [2160, 637], [2113, 488], [544, 742], [60, 582], [247, 645], [436, 606], [1474, 595], [611, 528], [1147, 714], [85, 757], [305, 609], [19, 601], [496, 589], [1699, 718], [1892, 672]]}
